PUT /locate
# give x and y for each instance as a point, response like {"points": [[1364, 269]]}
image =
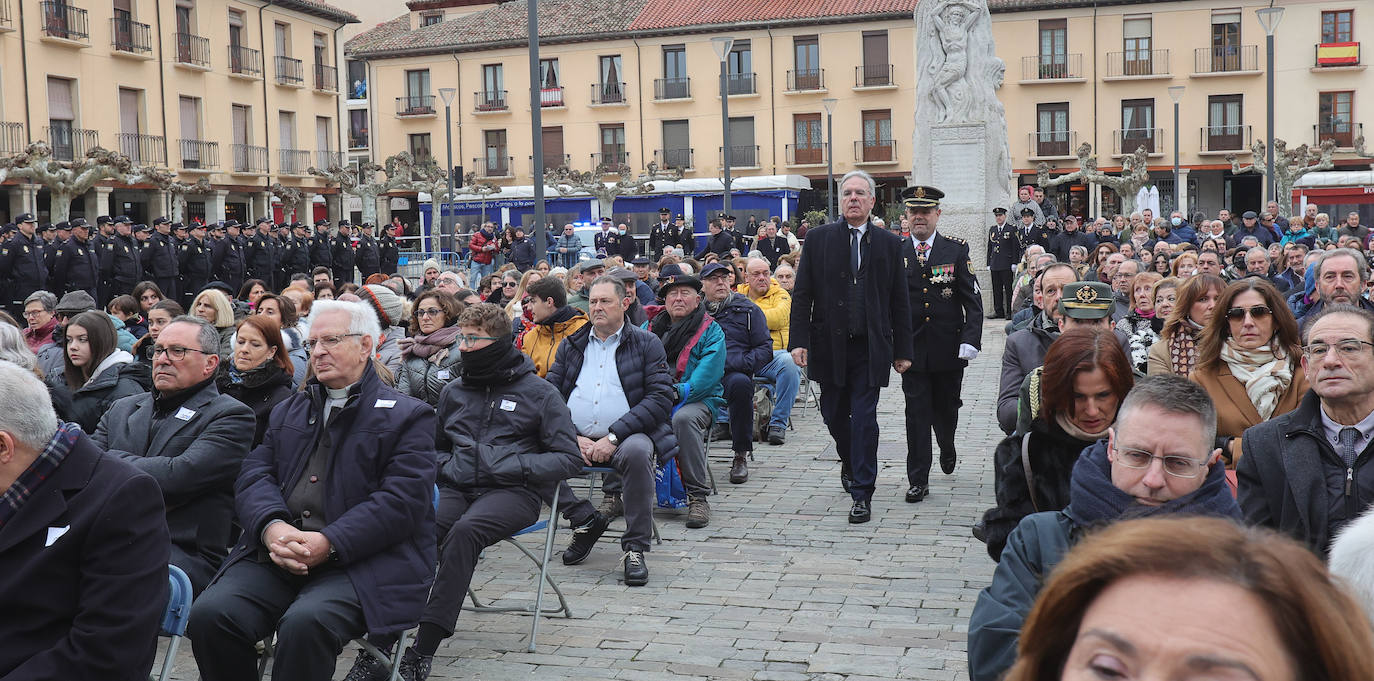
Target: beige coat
{"points": [[1235, 412]]}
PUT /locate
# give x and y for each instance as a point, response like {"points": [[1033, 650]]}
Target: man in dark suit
{"points": [[83, 548], [718, 241], [947, 331], [190, 438], [851, 320]]}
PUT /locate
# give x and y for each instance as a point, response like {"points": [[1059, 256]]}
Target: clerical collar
{"points": [[338, 393]]}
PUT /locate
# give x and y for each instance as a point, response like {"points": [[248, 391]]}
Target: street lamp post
{"points": [[541, 238], [722, 45], [1176, 94], [446, 94], [829, 103], [1269, 18]]}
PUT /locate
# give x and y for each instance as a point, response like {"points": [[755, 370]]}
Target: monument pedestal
{"points": [[957, 154]]}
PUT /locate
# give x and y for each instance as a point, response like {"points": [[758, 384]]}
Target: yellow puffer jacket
{"points": [[777, 309], [541, 341]]}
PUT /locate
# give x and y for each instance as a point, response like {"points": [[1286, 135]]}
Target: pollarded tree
{"points": [[1289, 165], [176, 190], [66, 180], [292, 199], [1134, 175], [568, 182], [360, 180]]}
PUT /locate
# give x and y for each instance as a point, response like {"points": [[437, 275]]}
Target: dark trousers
{"points": [[739, 400], [634, 463], [467, 524], [932, 403], [171, 287], [851, 415], [1001, 291], [199, 570], [314, 616]]}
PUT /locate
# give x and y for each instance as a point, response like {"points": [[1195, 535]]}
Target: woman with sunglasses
{"points": [[1248, 360]]}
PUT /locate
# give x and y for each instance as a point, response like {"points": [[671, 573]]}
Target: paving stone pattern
{"points": [[779, 587]]}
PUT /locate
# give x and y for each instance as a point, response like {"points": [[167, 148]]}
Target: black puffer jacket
{"points": [[122, 378], [261, 389]]}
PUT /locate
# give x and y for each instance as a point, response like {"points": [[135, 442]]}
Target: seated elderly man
{"points": [[1159, 459], [615, 379], [337, 509], [189, 437], [748, 348], [83, 548], [776, 304]]}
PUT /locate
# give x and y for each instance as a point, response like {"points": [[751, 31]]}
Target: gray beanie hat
{"points": [[388, 305]]}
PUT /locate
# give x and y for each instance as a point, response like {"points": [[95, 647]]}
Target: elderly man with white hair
{"points": [[83, 547], [337, 512]]}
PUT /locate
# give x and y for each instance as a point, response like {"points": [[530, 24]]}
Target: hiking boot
{"points": [[739, 469], [612, 507], [698, 512], [368, 668], [584, 538], [414, 666], [636, 572], [777, 435]]}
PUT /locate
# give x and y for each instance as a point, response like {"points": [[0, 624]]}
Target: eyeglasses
{"points": [[428, 312], [1177, 466], [1347, 349], [175, 352], [509, 284], [329, 342], [33, 313], [1236, 314], [471, 340]]}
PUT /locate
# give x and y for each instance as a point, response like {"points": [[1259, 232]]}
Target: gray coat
{"points": [[194, 459], [1024, 351], [424, 379], [388, 352]]}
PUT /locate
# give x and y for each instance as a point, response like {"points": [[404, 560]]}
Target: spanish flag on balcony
{"points": [[1338, 54]]}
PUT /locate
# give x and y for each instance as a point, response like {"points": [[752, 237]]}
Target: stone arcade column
{"points": [[24, 199], [215, 206], [262, 206], [97, 202]]}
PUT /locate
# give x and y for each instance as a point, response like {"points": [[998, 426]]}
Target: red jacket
{"points": [[479, 255]]}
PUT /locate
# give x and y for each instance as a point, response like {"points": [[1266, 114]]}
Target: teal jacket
{"points": [[701, 381]]}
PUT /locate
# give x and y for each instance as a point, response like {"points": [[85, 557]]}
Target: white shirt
{"points": [[863, 229], [598, 400]]}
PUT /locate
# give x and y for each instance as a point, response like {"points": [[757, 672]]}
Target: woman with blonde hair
{"points": [[1139, 324], [214, 307], [515, 308], [1176, 350]]}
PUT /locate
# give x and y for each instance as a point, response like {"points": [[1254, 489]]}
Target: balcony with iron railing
{"points": [[326, 78], [740, 84], [552, 161], [1226, 59], [64, 22], [490, 101], [551, 97], [193, 50], [198, 154], [292, 161], [130, 37], [1337, 56], [1343, 132], [1223, 139], [806, 80], [875, 76], [6, 23], [1053, 144], [245, 61], [249, 159], [608, 159], [674, 159], [743, 156], [143, 149], [12, 138], [69, 144], [672, 88], [811, 155], [1126, 140], [494, 165], [325, 158], [611, 92], [1137, 64], [290, 71], [875, 152], [1049, 68], [415, 105]]}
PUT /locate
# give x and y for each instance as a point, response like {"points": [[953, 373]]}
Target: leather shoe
{"points": [[980, 531], [584, 538], [948, 458], [846, 480], [860, 513], [739, 468], [636, 571], [916, 493]]}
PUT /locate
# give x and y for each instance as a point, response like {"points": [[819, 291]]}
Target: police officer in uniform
{"points": [[389, 251], [53, 236], [226, 254], [947, 332], [76, 265], [1030, 233], [685, 238], [22, 268], [127, 267], [607, 241], [103, 243], [195, 264], [320, 246], [369, 258], [285, 246], [300, 251], [1004, 252], [162, 261], [342, 255], [662, 233], [259, 251]]}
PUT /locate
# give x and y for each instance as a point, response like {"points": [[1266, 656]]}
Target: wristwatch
{"points": [[614, 440]]}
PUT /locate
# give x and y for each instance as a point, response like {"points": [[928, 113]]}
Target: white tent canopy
{"points": [[1337, 178]]}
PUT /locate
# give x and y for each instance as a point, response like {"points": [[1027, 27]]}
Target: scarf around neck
{"points": [[1094, 500], [1062, 420], [678, 335], [1183, 348], [1265, 374], [497, 364], [425, 346]]}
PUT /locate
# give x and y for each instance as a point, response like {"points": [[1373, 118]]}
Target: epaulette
{"points": [[956, 240]]}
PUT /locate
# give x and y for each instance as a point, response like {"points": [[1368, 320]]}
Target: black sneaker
{"points": [[636, 572], [584, 538], [777, 435], [368, 668], [414, 666]]}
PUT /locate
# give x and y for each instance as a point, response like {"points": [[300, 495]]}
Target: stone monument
{"points": [[960, 139]]}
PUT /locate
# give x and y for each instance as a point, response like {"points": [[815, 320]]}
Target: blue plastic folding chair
{"points": [[175, 616]]}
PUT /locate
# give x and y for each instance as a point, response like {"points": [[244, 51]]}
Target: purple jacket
{"points": [[379, 505]]}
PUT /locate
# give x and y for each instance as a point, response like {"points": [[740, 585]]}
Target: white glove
{"points": [[967, 352]]}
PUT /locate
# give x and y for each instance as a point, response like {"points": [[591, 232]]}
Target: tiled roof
{"points": [[320, 9], [1031, 5], [504, 24], [659, 14], [378, 34]]}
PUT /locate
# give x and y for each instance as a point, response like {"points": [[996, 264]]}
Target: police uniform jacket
{"points": [[1004, 247], [1036, 234], [226, 261], [946, 305], [195, 264], [76, 267], [22, 266], [389, 254], [163, 261], [607, 243], [127, 269], [300, 256], [259, 257], [659, 235], [320, 255], [342, 254], [104, 255], [369, 258]]}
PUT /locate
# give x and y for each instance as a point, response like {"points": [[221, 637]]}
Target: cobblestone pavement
{"points": [[779, 587]]}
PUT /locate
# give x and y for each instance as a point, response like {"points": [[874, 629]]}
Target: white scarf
{"points": [[1265, 373]]}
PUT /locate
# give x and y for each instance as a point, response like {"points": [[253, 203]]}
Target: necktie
{"points": [[922, 250], [1347, 438], [854, 257]]}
